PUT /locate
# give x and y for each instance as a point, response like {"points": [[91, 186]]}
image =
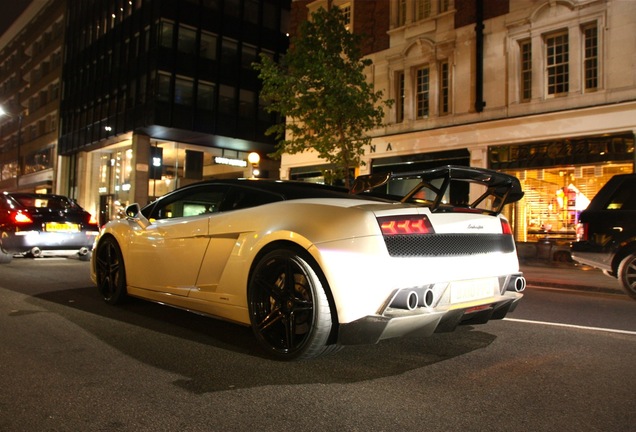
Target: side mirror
{"points": [[133, 213]]}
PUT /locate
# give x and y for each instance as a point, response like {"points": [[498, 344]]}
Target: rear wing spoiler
{"points": [[501, 188]]}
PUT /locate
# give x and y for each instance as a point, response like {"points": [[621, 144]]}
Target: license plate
{"points": [[473, 289], [62, 227]]}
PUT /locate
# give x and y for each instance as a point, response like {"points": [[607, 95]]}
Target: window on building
{"points": [[423, 9], [422, 92], [444, 88], [444, 5], [399, 96], [557, 63], [208, 45], [165, 34], [247, 103], [401, 12], [525, 50], [248, 56], [590, 66], [187, 40], [229, 50], [183, 91], [227, 99], [250, 13], [346, 14], [205, 96], [163, 87]]}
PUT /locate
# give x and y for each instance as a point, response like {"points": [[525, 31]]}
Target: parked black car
{"points": [[606, 236], [43, 224]]}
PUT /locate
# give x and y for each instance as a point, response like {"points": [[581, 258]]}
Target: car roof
{"points": [[287, 189], [602, 197]]}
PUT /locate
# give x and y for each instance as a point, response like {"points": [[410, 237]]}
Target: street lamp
{"points": [[254, 158]]}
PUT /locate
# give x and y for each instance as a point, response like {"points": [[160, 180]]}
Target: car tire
{"points": [[110, 272], [627, 274], [289, 310], [5, 257]]}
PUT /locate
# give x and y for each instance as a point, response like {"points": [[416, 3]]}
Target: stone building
{"points": [[542, 89]]}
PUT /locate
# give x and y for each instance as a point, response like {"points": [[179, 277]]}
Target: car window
{"points": [[240, 198], [190, 202], [625, 197], [44, 201]]}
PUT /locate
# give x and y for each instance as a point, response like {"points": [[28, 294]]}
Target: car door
{"points": [[166, 256], [225, 237]]}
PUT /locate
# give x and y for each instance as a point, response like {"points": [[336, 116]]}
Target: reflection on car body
{"points": [[311, 267]]}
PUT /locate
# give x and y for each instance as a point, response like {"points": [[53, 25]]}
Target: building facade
{"points": [[541, 89], [161, 93], [31, 57]]}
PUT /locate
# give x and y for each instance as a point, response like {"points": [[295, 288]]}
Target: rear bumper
{"points": [[372, 329], [24, 241], [594, 256]]}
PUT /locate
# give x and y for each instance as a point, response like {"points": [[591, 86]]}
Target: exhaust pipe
{"points": [[428, 298], [83, 251], [518, 284], [406, 299], [35, 252], [413, 298]]}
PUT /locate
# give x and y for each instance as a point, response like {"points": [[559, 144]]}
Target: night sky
{"points": [[9, 11]]}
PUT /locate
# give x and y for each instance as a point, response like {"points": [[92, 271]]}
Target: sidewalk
{"points": [[568, 276]]}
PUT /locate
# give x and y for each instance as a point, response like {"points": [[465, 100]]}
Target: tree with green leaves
{"points": [[320, 89]]}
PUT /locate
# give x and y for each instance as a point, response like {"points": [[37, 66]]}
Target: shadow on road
{"points": [[212, 355]]}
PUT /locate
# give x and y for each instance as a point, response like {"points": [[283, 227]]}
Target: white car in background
{"points": [[312, 267]]}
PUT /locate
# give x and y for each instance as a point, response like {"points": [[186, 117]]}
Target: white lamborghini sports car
{"points": [[311, 267]]}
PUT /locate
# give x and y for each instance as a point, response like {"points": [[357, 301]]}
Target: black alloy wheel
{"points": [[110, 272], [288, 306], [627, 275]]}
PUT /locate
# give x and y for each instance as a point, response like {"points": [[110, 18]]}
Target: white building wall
{"points": [[505, 118]]}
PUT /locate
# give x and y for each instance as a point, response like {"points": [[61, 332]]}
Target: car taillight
{"points": [[505, 227], [92, 220], [582, 231], [21, 218], [414, 224]]}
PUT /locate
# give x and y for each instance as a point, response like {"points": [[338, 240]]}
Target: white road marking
{"points": [[573, 326]]}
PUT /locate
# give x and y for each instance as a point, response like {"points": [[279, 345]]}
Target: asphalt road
{"points": [[563, 361]]}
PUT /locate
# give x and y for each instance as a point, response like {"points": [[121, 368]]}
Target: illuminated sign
{"points": [[232, 162]]}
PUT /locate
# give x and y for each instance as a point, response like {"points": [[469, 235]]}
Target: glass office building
{"points": [[160, 93]]}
